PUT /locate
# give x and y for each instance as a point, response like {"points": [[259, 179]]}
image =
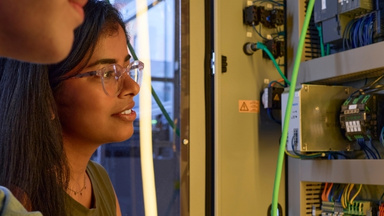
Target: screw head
{"points": [[185, 141]]}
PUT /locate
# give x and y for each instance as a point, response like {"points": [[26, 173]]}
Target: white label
{"points": [[323, 4], [353, 106]]}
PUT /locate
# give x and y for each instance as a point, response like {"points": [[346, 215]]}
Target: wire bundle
{"points": [[359, 32], [346, 201], [370, 88], [374, 154], [325, 196]]}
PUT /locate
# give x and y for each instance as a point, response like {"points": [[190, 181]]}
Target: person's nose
{"points": [[129, 86]]}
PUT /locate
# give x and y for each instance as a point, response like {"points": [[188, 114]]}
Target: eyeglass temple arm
{"points": [[165, 113]]}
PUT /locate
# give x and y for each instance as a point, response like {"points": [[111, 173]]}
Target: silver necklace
{"points": [[81, 190]]}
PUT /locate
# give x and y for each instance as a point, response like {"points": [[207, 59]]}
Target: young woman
{"points": [[53, 118]]}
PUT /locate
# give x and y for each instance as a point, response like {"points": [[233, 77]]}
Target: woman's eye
{"points": [[109, 74]]}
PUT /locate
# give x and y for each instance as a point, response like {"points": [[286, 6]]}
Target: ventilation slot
{"points": [[312, 48], [312, 197]]}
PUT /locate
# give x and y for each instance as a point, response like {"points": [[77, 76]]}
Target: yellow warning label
{"points": [[249, 106], [276, 98]]}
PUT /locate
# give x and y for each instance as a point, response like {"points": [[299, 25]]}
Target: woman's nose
{"points": [[129, 86]]}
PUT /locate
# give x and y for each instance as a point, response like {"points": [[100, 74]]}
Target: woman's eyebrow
{"points": [[108, 61]]}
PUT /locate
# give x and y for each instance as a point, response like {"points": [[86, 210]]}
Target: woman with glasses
{"points": [[54, 117]]}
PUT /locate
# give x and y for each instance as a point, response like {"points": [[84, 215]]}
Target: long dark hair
{"points": [[33, 163]]}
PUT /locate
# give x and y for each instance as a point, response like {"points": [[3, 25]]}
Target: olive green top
{"points": [[104, 200]]}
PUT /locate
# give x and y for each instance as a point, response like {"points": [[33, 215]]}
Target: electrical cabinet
{"points": [[305, 176]]}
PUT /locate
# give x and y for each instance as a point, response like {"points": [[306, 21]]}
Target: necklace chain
{"points": [[81, 190]]}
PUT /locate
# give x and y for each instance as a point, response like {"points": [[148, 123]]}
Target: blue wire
{"points": [[367, 149], [259, 33], [350, 34], [269, 111], [368, 28], [374, 156], [371, 29], [341, 193], [374, 148], [339, 153], [346, 32], [362, 148], [330, 195], [381, 136], [360, 31], [355, 34]]}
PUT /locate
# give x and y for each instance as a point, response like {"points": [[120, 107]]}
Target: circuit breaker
{"points": [[314, 119]]}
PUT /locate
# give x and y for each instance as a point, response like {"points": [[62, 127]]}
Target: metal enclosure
{"points": [[314, 124]]}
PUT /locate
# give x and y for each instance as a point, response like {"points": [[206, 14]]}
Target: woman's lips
{"points": [[126, 115]]}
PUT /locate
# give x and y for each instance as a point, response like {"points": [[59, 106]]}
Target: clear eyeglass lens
{"points": [[110, 79], [112, 76]]}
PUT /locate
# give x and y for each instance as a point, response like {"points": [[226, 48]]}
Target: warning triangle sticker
{"points": [[244, 107], [276, 98]]}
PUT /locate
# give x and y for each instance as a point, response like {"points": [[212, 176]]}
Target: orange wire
{"points": [[279, 80], [329, 191], [323, 195]]}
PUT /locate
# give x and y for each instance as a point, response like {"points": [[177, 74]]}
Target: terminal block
{"points": [[359, 117], [251, 15]]}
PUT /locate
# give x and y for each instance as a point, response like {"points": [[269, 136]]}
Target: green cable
{"points": [[321, 40], [165, 113], [170, 122], [287, 116], [260, 45]]}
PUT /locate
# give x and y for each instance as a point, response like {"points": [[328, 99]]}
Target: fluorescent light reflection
{"points": [[145, 106]]}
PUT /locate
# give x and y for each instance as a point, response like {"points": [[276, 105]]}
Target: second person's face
{"points": [[87, 114], [39, 31]]}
